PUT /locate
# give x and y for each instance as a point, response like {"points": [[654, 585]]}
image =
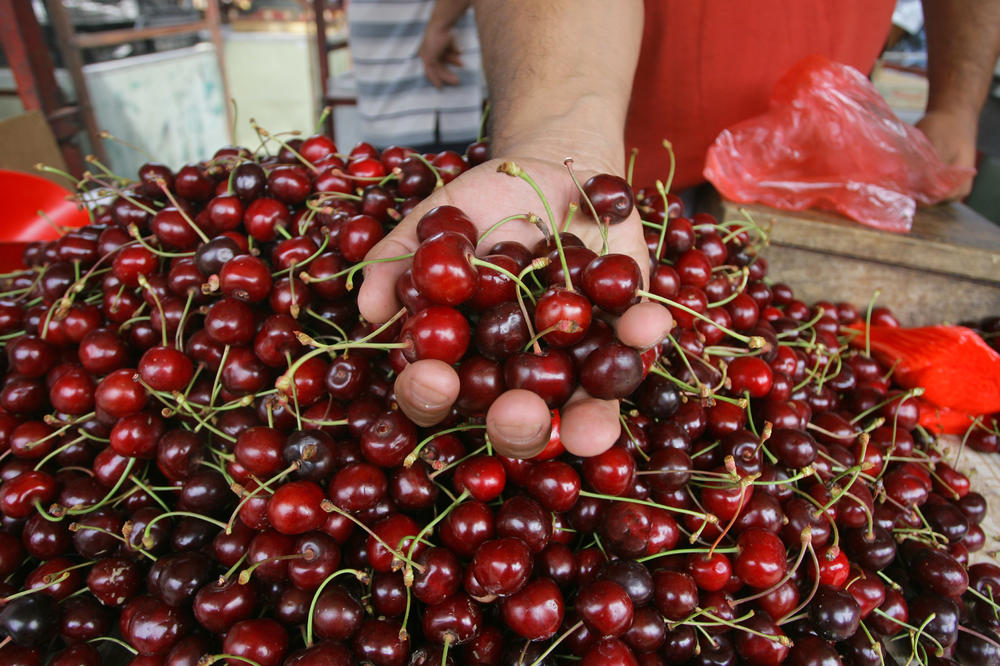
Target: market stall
{"points": [[296, 402]]}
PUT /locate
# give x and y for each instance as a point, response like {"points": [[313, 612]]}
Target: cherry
{"points": [[119, 394], [675, 594], [294, 508], [221, 604], [482, 476], [442, 270], [554, 484], [19, 495], [501, 566], [263, 641], [379, 641], [834, 613], [548, 374], [245, 278], [611, 196], [166, 369], [562, 316], [760, 562], [467, 527], [536, 611], [612, 371], [263, 217], [399, 531], [438, 332], [501, 331], [338, 615], [389, 439], [605, 607], [453, 621], [28, 621], [152, 627]]}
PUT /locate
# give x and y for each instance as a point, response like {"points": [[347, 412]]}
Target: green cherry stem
{"points": [[512, 169]]}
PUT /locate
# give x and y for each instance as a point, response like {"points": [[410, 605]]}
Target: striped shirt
{"points": [[396, 102]]}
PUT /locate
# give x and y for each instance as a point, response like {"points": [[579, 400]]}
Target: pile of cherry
{"points": [[202, 460]]}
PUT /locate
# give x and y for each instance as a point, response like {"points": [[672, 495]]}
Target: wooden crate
{"points": [[947, 269]]}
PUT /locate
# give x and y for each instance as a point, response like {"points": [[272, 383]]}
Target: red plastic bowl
{"points": [[31, 206]]}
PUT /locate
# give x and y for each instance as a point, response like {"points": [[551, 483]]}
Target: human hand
{"points": [[439, 53], [954, 138], [518, 422]]}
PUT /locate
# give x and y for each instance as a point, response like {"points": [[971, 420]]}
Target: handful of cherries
{"points": [[203, 460]]}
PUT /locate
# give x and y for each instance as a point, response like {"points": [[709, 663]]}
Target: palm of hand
{"points": [[518, 422]]}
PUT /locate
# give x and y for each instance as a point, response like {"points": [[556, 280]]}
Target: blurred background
{"points": [[178, 78]]}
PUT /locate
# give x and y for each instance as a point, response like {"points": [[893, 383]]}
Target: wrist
{"points": [[585, 131]]}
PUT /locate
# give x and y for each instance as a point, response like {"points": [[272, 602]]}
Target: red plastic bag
{"points": [[830, 141], [958, 371]]}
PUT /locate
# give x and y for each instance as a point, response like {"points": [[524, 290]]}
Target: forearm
{"points": [[560, 75], [446, 13], [963, 43]]}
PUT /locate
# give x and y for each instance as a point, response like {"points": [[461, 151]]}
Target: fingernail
{"points": [[427, 396], [519, 433]]}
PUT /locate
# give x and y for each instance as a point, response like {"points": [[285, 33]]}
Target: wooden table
{"points": [[947, 269]]}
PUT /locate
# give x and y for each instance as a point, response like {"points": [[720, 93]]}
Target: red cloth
{"points": [[707, 64]]}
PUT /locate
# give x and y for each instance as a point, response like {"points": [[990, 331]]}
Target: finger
{"points": [[431, 72], [426, 390], [644, 325], [518, 424], [589, 426], [449, 77], [377, 296]]}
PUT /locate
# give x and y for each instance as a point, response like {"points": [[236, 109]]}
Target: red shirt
{"points": [[707, 64]]}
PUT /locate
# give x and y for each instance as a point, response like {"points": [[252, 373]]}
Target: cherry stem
{"points": [[56, 578], [512, 169], [107, 498], [807, 545], [868, 322], [330, 507], [753, 342], [632, 155], [363, 577], [116, 641], [79, 527], [233, 569], [743, 484], [144, 283], [305, 262], [57, 433], [686, 551], [147, 540], [552, 646], [412, 456], [499, 223], [707, 517], [245, 575], [438, 182], [268, 136], [744, 280], [187, 218], [210, 659], [602, 225], [915, 634], [476, 261], [806, 537], [900, 397], [149, 491], [408, 573]]}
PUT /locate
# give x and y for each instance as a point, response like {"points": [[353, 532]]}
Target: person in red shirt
{"points": [[568, 78]]}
